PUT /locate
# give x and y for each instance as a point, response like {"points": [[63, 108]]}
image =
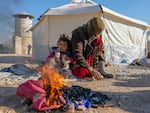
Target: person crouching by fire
{"points": [[86, 44], [60, 57]]}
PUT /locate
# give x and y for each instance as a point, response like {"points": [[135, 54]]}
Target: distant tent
{"points": [[125, 35]]}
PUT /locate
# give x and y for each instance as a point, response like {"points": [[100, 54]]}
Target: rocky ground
{"points": [[129, 94]]}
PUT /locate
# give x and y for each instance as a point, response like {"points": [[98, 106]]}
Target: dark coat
{"points": [[80, 46]]}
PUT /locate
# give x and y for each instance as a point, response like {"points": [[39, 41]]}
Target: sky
{"points": [[137, 9]]}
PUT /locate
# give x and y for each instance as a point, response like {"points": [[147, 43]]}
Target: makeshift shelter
{"points": [[123, 35]]}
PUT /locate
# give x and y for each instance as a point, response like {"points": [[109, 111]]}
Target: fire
{"points": [[53, 82]]}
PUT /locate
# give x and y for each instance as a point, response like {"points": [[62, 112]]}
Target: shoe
{"points": [[108, 76]]}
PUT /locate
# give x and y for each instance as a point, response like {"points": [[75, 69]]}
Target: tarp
{"points": [[125, 35]]}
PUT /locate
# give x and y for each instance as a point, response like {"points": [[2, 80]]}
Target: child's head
{"points": [[63, 43]]}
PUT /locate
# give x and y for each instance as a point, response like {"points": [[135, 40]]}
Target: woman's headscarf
{"points": [[95, 26]]}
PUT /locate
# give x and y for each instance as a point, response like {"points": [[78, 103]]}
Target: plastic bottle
{"points": [[123, 66]]}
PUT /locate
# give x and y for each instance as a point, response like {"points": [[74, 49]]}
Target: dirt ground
{"points": [[129, 94]]}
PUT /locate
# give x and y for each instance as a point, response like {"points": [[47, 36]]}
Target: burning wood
{"points": [[52, 83]]}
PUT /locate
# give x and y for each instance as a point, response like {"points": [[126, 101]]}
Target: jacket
{"points": [[80, 46]]}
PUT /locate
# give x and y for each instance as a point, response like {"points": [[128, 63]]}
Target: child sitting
{"points": [[60, 57]]}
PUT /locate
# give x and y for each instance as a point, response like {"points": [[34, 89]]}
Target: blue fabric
{"points": [[85, 103], [7, 69], [55, 48], [83, 97]]}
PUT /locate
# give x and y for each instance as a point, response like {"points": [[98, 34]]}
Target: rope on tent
{"points": [[112, 69]]}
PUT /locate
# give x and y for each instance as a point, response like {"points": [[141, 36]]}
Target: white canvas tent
{"points": [[125, 35]]}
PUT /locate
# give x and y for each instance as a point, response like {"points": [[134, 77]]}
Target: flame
{"points": [[52, 82]]}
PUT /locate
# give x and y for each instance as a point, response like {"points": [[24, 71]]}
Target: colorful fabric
{"points": [[52, 55], [33, 90], [82, 72]]}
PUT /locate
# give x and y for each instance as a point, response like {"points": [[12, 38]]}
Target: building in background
{"points": [[22, 39]]}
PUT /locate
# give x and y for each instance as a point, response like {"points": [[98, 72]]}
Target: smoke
{"points": [[7, 9]]}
